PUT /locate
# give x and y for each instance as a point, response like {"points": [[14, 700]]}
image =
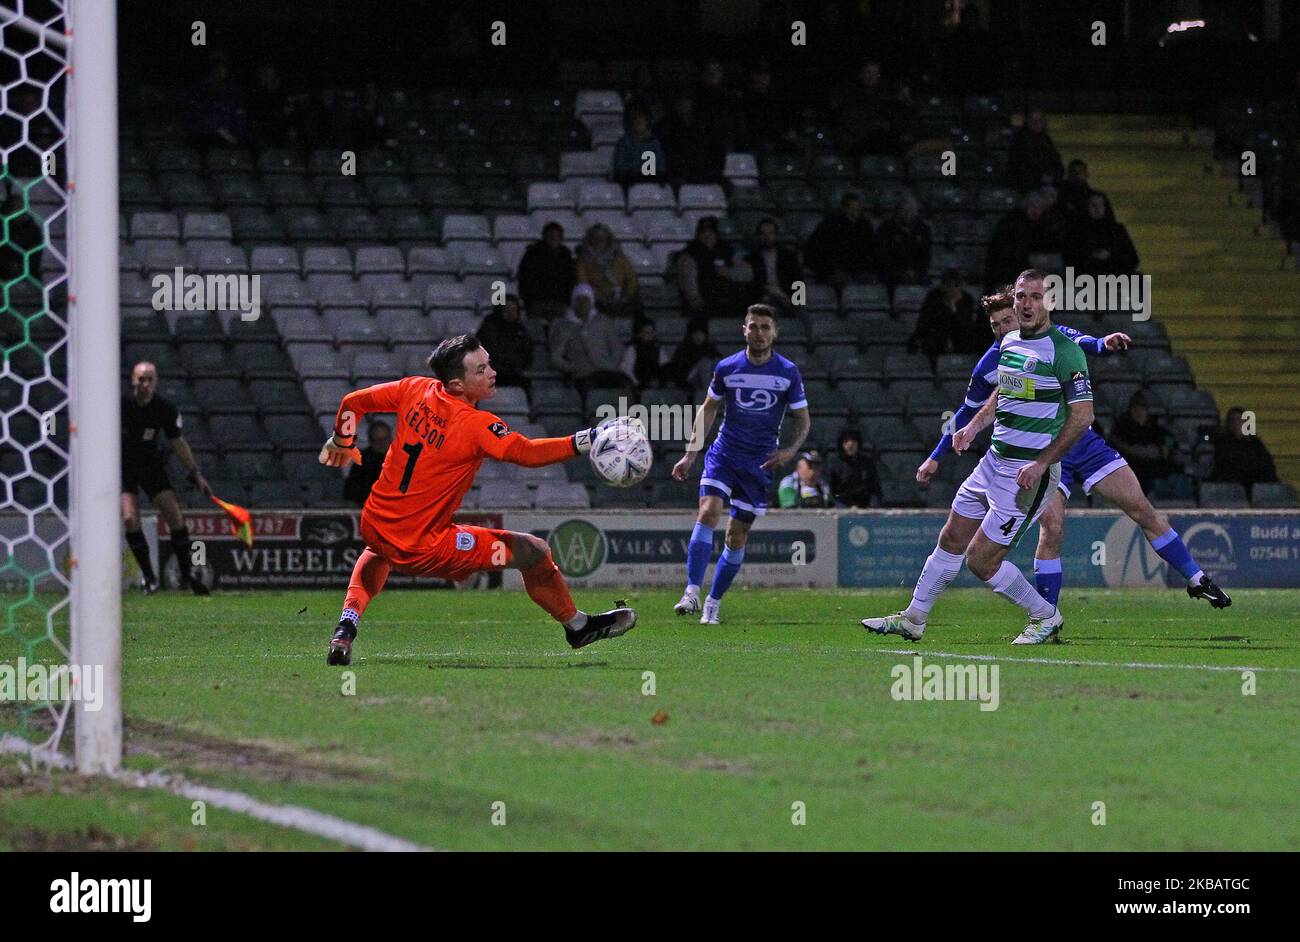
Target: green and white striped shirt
{"points": [[1037, 377]]}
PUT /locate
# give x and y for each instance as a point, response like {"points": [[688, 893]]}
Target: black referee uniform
{"points": [[144, 465]]}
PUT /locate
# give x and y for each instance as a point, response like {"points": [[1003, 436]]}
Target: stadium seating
{"points": [[361, 276]]}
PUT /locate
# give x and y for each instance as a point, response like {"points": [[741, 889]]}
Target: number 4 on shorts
{"points": [[1007, 527]]}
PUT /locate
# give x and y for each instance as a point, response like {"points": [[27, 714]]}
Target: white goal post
{"points": [[94, 387]]}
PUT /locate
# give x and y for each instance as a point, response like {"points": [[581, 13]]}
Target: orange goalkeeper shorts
{"points": [[455, 553]]}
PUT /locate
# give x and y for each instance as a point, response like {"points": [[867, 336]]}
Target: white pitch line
{"points": [[289, 816], [1136, 665]]}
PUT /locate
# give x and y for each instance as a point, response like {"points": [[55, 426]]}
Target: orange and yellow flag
{"points": [[241, 521]]}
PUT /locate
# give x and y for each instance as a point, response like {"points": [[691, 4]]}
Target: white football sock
{"points": [[577, 622], [693, 590], [1010, 583], [936, 575]]}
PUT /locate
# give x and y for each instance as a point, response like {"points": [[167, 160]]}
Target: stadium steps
{"points": [[1221, 286]]}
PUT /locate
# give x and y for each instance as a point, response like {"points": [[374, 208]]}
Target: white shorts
{"points": [[992, 494]]}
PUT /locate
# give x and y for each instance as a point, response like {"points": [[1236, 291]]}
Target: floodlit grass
{"points": [[466, 699]]}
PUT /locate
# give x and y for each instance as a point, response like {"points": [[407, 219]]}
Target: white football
{"points": [[621, 455]]}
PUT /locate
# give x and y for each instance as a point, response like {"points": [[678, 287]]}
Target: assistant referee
{"points": [[146, 417]]}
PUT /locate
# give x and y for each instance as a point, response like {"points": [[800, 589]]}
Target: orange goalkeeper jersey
{"points": [[437, 448]]}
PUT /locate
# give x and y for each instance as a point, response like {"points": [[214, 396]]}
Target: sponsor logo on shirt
{"points": [[499, 429], [755, 400], [1079, 384], [1015, 386]]}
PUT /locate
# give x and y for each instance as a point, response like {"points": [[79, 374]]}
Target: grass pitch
{"points": [[470, 707]]}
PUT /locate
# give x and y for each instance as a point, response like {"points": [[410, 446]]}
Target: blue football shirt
{"points": [[756, 399]]}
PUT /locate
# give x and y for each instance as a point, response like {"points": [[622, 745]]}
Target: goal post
{"points": [[93, 369], [60, 395]]}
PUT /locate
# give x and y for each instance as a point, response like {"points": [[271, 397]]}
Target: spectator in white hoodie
{"points": [[585, 345]]}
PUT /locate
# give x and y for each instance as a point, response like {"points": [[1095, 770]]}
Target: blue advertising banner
{"points": [[1102, 549]]}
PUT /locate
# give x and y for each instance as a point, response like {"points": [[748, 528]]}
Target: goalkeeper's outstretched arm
{"points": [[536, 452]]}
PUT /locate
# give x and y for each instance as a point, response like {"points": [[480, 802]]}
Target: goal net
{"points": [[59, 425]]}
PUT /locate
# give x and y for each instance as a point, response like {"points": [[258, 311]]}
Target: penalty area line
{"points": [[1131, 665], [295, 817]]}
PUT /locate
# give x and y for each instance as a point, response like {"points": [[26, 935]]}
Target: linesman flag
{"points": [[241, 521]]}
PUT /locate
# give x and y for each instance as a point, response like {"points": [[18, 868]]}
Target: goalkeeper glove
{"points": [[336, 456], [582, 441]]}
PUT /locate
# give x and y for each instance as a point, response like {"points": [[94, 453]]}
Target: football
{"points": [[621, 455]]}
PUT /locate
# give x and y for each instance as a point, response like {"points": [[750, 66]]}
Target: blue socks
{"points": [[1173, 550], [698, 551], [725, 572], [1170, 546], [1048, 578]]}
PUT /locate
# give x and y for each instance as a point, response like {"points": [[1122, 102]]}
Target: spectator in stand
{"points": [[691, 365], [776, 267], [851, 473], [547, 274], [1148, 447], [692, 158], [1033, 159], [644, 96], [603, 265], [766, 124], [1098, 244], [643, 358], [1055, 223], [1240, 457], [842, 247], [869, 120], [1074, 191], [270, 114], [630, 154], [710, 282], [805, 486], [960, 50], [1021, 232], [508, 343], [216, 114], [946, 322], [362, 477], [903, 246], [585, 345], [715, 112]]}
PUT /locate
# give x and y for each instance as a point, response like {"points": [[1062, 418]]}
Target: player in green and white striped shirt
{"points": [[1042, 404]]}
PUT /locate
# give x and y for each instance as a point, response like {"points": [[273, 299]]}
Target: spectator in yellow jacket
{"points": [[603, 265]]}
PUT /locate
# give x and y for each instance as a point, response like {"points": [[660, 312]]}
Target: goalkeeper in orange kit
{"points": [[440, 441]]}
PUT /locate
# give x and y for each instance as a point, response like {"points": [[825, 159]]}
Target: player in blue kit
{"points": [[757, 386], [1090, 462]]}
